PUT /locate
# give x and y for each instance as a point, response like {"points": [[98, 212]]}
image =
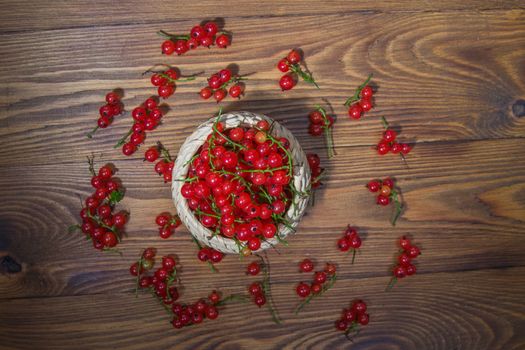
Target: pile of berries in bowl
{"points": [[241, 183]]}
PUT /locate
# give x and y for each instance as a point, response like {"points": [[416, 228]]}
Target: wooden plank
{"points": [[474, 310], [433, 79], [20, 16], [458, 197]]}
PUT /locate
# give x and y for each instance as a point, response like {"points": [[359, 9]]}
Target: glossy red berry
{"points": [[206, 93], [389, 135], [253, 268], [373, 186], [367, 92], [383, 200], [355, 111], [222, 41], [235, 91], [383, 148], [302, 290], [168, 47], [306, 265], [294, 57], [255, 288], [286, 82], [341, 325], [282, 65], [320, 277], [219, 95], [400, 271], [211, 28]]}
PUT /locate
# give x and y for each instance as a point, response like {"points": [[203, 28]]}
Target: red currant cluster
{"points": [[387, 194], [163, 167], [352, 318], [405, 266], [291, 63], [218, 84], [349, 240], [361, 101], [190, 314], [166, 80], [147, 116], [260, 291], [199, 35], [210, 255], [99, 223], [112, 108], [388, 142], [321, 123], [238, 184], [167, 224], [322, 281], [316, 171]]}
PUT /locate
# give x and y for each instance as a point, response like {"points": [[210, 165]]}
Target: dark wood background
{"points": [[449, 73]]}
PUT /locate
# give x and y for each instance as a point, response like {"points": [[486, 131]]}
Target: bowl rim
{"points": [[301, 179]]}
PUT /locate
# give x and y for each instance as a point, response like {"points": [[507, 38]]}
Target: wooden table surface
{"points": [[449, 73]]}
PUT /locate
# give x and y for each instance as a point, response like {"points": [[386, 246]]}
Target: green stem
{"points": [[398, 207], [172, 36], [233, 298], [307, 77], [308, 299], [355, 97], [353, 255], [89, 135], [267, 290], [327, 131], [391, 284], [123, 139], [385, 123]]}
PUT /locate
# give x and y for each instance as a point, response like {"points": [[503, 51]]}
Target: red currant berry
{"points": [[355, 241], [359, 306], [207, 41], [404, 259], [120, 219], [158, 80], [388, 182], [254, 243], [253, 268], [259, 300], [206, 93], [302, 290], [103, 122], [355, 111], [367, 92], [404, 243], [406, 148], [112, 98], [343, 244], [313, 160], [413, 252], [109, 239], [320, 277], [168, 47], [105, 111], [396, 148], [286, 82], [235, 91], [165, 91], [411, 269], [400, 271], [349, 315], [366, 104], [211, 312], [225, 75], [282, 65], [216, 256], [383, 148], [294, 57], [389, 135], [128, 149], [363, 319], [306, 265], [210, 28], [255, 288], [316, 288], [214, 297], [165, 232], [168, 263], [316, 117], [373, 186], [383, 200], [219, 95], [197, 32], [152, 154], [203, 254], [222, 41], [341, 325]]}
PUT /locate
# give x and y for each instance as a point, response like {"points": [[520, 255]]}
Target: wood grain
{"points": [[470, 310], [433, 80], [449, 77], [471, 213], [55, 14]]}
